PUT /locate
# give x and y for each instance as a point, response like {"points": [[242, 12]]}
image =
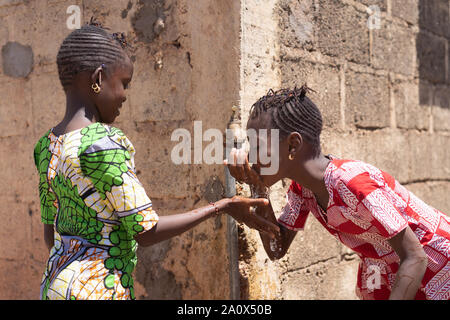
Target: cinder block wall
{"points": [[188, 72], [384, 95]]}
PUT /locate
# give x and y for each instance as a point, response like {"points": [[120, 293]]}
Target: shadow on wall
{"points": [[161, 283], [433, 61]]}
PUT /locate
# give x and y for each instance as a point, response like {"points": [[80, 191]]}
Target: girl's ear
{"points": [[96, 76], [295, 142]]}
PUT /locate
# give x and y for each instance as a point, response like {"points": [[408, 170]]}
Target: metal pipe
{"points": [[232, 234], [232, 239]]}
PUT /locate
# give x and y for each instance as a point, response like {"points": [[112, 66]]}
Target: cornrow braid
{"points": [[292, 111], [86, 49]]}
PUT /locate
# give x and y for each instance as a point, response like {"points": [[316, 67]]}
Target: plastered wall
{"points": [[185, 70]]}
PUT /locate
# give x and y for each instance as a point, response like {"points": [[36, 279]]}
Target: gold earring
{"points": [[291, 157], [96, 88]]}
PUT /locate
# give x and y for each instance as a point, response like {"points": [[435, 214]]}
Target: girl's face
{"points": [[265, 145], [112, 94]]}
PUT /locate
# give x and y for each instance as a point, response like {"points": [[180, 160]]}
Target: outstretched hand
{"points": [[242, 210]]}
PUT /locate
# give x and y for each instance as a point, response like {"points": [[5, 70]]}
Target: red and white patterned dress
{"points": [[366, 208]]}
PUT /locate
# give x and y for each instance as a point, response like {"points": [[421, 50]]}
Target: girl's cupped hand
{"points": [[243, 210]]}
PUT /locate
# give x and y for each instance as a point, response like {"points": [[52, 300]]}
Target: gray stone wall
{"points": [[384, 95]]}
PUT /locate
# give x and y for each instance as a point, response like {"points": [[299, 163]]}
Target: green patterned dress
{"points": [[89, 191]]}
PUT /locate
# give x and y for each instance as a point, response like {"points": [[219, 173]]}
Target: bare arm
{"points": [[237, 207], [413, 264], [49, 236], [173, 225], [275, 248]]}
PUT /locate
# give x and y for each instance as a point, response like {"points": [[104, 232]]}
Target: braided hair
{"points": [[291, 111], [86, 49]]}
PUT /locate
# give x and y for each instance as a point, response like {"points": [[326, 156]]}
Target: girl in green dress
{"points": [[94, 209]]}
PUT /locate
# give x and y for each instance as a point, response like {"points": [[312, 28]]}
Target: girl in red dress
{"points": [[403, 243]]}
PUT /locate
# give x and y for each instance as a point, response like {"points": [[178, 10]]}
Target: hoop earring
{"points": [[291, 157], [96, 87]]}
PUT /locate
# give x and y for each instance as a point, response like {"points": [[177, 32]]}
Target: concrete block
{"points": [[434, 16], [312, 244], [431, 57], [440, 157], [407, 10], [367, 100], [259, 46], [394, 49], [441, 118], [422, 155], [342, 31], [325, 80], [434, 193], [385, 149], [426, 93], [409, 114], [215, 81], [441, 109], [332, 280], [297, 24]]}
